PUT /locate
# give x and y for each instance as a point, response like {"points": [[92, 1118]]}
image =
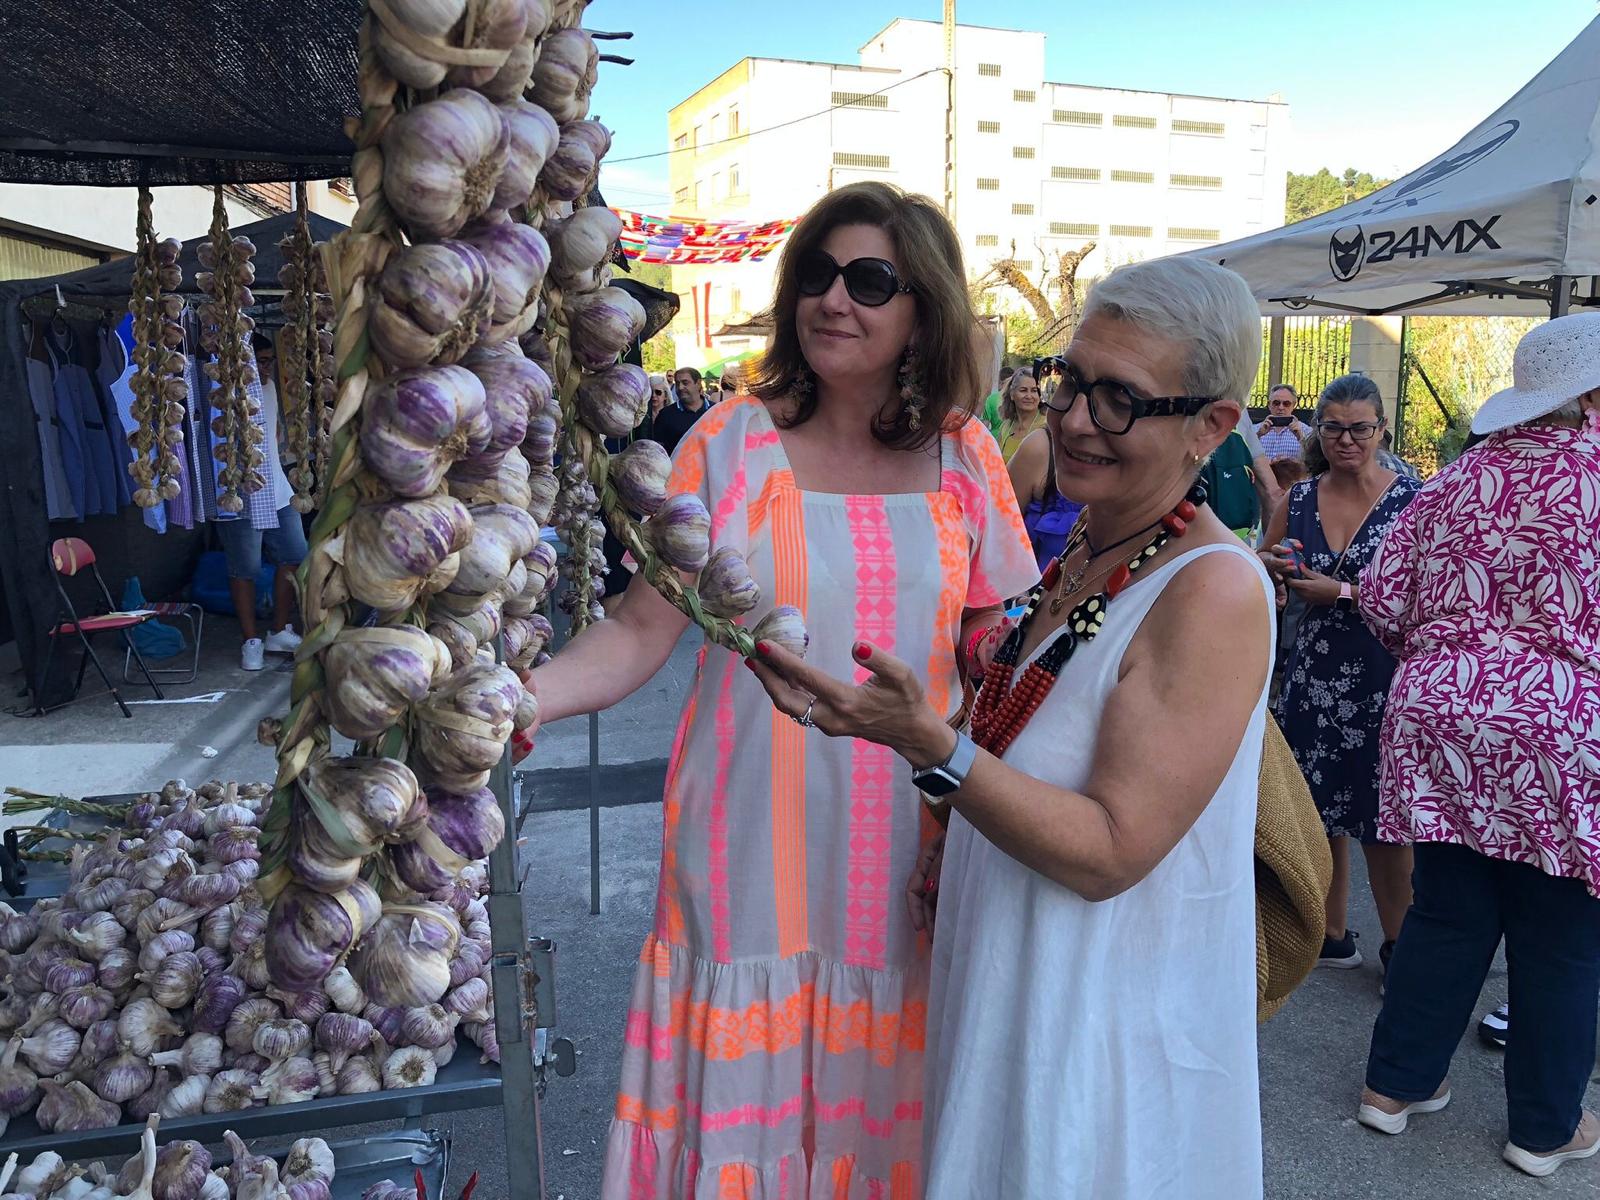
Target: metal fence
{"points": [[1449, 366], [1313, 351]]}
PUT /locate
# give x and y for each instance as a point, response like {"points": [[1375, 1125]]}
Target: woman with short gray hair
{"points": [[1092, 1010]]}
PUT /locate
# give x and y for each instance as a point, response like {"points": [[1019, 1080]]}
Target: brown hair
{"points": [[1288, 471], [930, 261]]}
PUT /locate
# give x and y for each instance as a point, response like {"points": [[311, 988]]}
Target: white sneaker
{"points": [[253, 656], [1585, 1143], [285, 641], [1390, 1116]]}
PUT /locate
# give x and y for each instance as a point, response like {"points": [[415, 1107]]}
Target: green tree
{"points": [[1310, 195], [660, 353]]}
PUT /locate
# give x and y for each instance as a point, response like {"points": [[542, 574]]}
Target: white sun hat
{"points": [[1555, 363]]}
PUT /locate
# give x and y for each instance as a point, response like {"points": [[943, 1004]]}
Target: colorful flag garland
{"points": [[672, 241]]}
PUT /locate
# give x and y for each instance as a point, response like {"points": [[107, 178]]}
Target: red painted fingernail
{"points": [[931, 886], [863, 651], [750, 663], [764, 648]]}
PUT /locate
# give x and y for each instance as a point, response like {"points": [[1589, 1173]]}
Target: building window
{"points": [[1074, 229], [990, 70], [988, 126], [1023, 264], [1131, 231], [735, 185], [1183, 233], [697, 195], [682, 142], [1022, 152], [1207, 128], [716, 127], [699, 135], [1133, 177], [988, 185], [1122, 121], [1024, 96], [716, 186], [859, 100], [681, 196], [1022, 210], [1209, 182], [1070, 116], [1077, 174], [865, 162], [733, 121], [988, 239]]}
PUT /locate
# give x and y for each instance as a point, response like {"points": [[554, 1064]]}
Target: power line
{"points": [[854, 102]]}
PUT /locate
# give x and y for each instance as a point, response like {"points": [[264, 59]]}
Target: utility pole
{"points": [[950, 109]]}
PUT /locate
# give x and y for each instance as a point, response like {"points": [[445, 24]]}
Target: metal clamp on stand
{"points": [[549, 1053]]}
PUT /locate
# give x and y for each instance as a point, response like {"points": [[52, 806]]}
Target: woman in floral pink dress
{"points": [[1488, 592]]}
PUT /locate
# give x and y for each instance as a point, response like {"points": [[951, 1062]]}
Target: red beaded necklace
{"points": [[1001, 710]]}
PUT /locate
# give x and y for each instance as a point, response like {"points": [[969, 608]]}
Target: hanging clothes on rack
{"points": [[79, 405], [116, 373], [53, 441]]}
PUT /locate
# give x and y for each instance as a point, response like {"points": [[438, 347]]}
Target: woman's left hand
{"points": [[1314, 588], [889, 709]]}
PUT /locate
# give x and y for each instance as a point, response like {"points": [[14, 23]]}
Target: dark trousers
{"points": [[1464, 903]]}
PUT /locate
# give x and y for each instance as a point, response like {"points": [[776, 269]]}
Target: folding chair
{"points": [[173, 611], [69, 556]]}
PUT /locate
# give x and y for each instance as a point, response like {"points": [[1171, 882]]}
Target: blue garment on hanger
{"points": [[75, 391], [69, 432], [58, 502]]}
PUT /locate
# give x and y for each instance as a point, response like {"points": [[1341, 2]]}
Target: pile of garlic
{"points": [[145, 989], [158, 383], [180, 1170]]}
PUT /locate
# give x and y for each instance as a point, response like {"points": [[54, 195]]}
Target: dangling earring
{"points": [[804, 381], [909, 377]]}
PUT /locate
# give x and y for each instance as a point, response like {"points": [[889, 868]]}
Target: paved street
{"points": [[1311, 1054]]}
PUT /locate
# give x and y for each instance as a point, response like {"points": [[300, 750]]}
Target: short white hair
{"points": [[1206, 308], [658, 380]]}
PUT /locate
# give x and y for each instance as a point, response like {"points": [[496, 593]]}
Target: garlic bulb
{"points": [[429, 1026], [580, 246], [98, 934], [310, 1159], [396, 553], [230, 1091], [518, 258], [281, 1039], [786, 627], [181, 1169], [43, 1175], [565, 73], [116, 969], [19, 1086], [366, 802], [533, 136], [614, 400], [462, 728], [502, 535], [442, 162], [122, 1078], [725, 587], [73, 1108], [680, 531], [640, 474], [604, 323], [417, 422], [404, 961], [433, 304], [343, 990], [375, 675], [248, 1016], [289, 1081], [52, 1048], [201, 1054], [309, 932], [405, 29], [158, 948], [358, 1076], [216, 1001], [175, 981], [81, 1007], [408, 1067], [187, 1097]]}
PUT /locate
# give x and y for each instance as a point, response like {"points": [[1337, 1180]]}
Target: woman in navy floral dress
{"points": [[1337, 677]]}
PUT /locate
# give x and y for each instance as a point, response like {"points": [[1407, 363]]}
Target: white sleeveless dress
{"points": [[1099, 1051]]}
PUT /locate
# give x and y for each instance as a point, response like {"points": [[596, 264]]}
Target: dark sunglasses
{"points": [[870, 281], [1113, 405]]}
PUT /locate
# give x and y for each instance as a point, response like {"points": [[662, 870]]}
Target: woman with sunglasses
{"points": [[1337, 677], [775, 1037], [1092, 1014]]}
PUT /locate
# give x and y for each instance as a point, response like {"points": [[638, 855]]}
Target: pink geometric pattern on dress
{"points": [[644, 1166], [669, 910], [721, 941], [728, 505], [871, 767]]}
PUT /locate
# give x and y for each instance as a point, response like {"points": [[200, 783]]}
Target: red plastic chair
{"points": [[69, 556]]}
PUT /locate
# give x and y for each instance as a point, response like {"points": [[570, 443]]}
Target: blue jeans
{"points": [[1464, 903], [242, 543]]}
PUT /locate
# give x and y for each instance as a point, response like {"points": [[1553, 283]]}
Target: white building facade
{"points": [[1041, 168]]}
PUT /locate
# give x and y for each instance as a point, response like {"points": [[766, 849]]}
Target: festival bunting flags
{"points": [[673, 241]]}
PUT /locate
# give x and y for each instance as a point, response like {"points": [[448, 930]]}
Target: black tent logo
{"points": [[1456, 163], [1347, 251]]}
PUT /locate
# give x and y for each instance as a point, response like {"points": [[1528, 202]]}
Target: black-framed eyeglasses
{"points": [[1361, 431], [869, 281], [1113, 405]]}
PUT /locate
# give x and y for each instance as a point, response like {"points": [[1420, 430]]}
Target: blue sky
{"points": [[1380, 85]]}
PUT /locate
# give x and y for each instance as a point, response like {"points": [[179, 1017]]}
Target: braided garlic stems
{"points": [[158, 380], [225, 332]]}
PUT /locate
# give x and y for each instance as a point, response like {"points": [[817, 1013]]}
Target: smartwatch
{"points": [[1346, 601], [939, 782]]}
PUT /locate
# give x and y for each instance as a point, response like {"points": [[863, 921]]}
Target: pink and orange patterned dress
{"points": [[775, 1036], [1488, 591]]}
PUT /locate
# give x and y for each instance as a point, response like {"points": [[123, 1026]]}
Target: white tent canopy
{"points": [[1502, 224]]}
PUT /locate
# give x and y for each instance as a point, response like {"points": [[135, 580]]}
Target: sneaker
{"points": [[1496, 1027], [1585, 1142], [253, 656], [1341, 954], [285, 641], [1390, 1116]]}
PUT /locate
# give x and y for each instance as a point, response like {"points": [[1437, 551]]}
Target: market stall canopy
{"points": [[1482, 230], [115, 93]]}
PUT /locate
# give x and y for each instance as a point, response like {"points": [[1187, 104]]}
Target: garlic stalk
{"points": [[158, 382]]}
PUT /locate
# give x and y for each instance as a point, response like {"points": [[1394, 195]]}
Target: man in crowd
{"points": [[677, 419], [1282, 434]]}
